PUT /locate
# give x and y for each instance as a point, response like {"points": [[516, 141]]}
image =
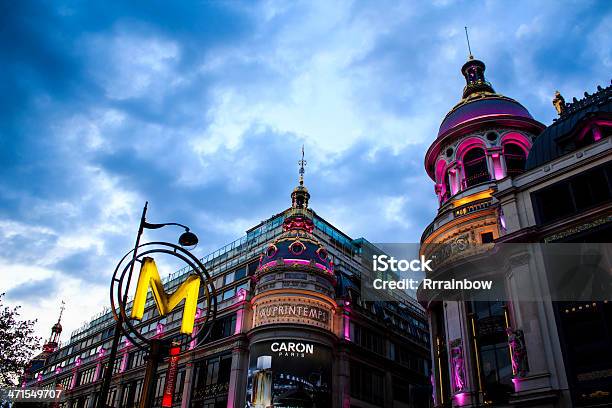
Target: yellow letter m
{"points": [[188, 290]]}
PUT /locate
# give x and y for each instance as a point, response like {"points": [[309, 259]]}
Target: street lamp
{"points": [[187, 240]]}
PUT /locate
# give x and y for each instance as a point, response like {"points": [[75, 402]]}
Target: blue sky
{"points": [[202, 108]]}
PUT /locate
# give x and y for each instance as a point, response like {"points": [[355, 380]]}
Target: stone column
{"points": [[526, 279], [388, 398], [458, 344], [188, 387], [236, 397], [435, 369], [341, 387]]}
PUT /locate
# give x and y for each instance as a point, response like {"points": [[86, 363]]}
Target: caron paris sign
{"points": [[293, 310], [276, 378]]}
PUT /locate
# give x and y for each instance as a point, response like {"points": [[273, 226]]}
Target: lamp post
{"points": [[187, 239]]}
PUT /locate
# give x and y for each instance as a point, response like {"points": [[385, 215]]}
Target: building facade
{"points": [[291, 330], [504, 180]]}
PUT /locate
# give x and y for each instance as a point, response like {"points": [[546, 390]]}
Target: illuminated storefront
{"points": [[292, 331]]}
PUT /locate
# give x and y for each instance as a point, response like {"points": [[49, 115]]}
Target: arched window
{"points": [[475, 165], [515, 158], [587, 139]]}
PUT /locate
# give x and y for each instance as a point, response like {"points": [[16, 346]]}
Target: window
{"points": [[111, 400], [240, 273], [213, 371], [475, 165], [86, 376], [515, 158], [496, 370], [136, 359], [159, 389], [569, 197], [65, 382], [229, 278], [486, 237], [253, 267], [244, 286], [180, 386], [228, 294], [223, 327], [367, 338], [493, 349], [401, 389], [367, 383], [587, 139]]}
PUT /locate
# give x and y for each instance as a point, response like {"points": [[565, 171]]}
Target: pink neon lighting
{"points": [[518, 139], [124, 360], [74, 379], [469, 144], [292, 223], [295, 262], [192, 343], [497, 166], [159, 329], [241, 295], [347, 329], [97, 373], [596, 133], [460, 398], [517, 384], [594, 126], [239, 317]]}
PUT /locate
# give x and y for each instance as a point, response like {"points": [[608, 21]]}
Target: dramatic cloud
{"points": [[201, 109]]}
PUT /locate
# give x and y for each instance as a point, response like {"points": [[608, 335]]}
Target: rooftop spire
{"points": [[300, 195], [298, 217], [302, 163], [473, 71], [62, 307], [467, 37], [56, 332]]}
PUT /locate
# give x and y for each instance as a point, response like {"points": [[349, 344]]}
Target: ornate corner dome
{"points": [[479, 101], [297, 246], [480, 108]]}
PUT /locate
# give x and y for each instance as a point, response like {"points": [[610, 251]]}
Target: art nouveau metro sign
{"points": [[166, 302]]}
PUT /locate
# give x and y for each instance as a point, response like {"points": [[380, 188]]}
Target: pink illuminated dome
{"points": [[480, 108]]}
